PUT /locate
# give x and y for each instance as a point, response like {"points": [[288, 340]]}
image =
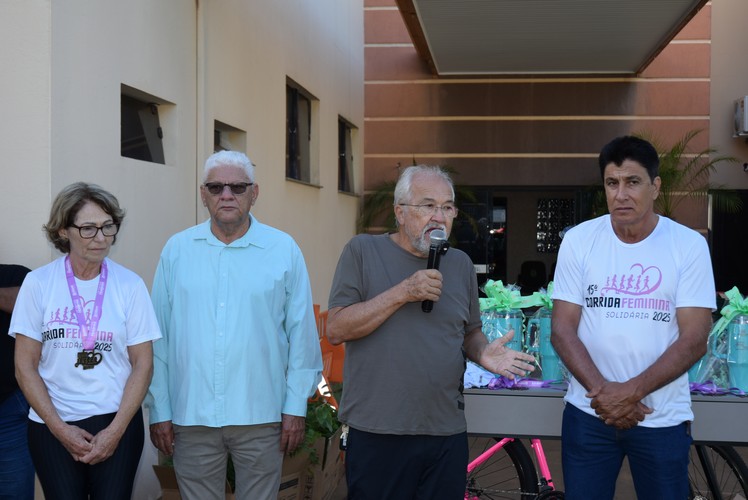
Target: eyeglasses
{"points": [[216, 188], [449, 211], [89, 232]]}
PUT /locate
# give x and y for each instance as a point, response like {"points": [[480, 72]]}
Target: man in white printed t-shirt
{"points": [[633, 295]]}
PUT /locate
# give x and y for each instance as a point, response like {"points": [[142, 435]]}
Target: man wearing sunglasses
{"points": [[240, 353]]}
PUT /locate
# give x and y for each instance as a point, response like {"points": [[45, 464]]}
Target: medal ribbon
{"points": [[88, 333]]}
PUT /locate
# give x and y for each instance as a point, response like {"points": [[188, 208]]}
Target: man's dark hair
{"points": [[632, 148]]}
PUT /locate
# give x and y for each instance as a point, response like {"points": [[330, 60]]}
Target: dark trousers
{"points": [[16, 469], [62, 478], [407, 467], [592, 454]]}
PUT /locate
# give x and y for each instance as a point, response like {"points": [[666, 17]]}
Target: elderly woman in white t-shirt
{"points": [[84, 327]]}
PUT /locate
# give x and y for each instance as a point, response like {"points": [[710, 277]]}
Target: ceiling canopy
{"points": [[543, 37]]}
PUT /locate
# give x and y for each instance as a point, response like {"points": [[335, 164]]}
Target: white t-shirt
{"points": [[44, 312], [629, 294]]}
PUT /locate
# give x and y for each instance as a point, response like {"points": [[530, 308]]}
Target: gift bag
{"points": [[726, 362], [501, 311]]}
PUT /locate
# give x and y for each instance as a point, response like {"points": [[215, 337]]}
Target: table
{"points": [[537, 413]]}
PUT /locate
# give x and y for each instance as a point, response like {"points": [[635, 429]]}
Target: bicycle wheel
{"points": [[509, 473], [717, 472]]}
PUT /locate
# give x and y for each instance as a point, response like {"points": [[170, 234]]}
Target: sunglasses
{"points": [[216, 188]]}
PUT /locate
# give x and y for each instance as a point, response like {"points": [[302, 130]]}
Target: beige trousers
{"points": [[201, 455]]}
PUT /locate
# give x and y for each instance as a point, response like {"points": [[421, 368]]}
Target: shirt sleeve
{"points": [[568, 276], [142, 325], [696, 279], [347, 286], [158, 400], [28, 314], [304, 356]]}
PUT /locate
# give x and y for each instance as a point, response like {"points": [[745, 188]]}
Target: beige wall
{"points": [[729, 81], [228, 60], [24, 130], [320, 47], [96, 47], [210, 60]]}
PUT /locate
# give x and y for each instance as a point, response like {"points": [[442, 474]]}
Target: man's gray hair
{"points": [[231, 159], [405, 182]]}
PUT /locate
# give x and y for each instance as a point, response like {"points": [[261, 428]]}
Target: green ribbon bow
{"points": [[542, 297], [736, 305], [502, 297]]}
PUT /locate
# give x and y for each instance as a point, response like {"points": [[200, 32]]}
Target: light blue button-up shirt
{"points": [[240, 344]]}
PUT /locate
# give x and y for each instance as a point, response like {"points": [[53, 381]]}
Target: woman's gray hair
{"points": [[231, 159], [68, 203], [405, 182]]}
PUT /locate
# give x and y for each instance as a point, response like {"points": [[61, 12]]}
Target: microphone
{"points": [[439, 246]]}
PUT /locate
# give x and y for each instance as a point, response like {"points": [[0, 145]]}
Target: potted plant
{"points": [[321, 423]]}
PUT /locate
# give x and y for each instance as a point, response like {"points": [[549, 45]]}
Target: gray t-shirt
{"points": [[406, 376]]}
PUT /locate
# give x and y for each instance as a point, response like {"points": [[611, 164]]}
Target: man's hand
{"points": [[499, 359], [617, 405], [162, 437], [293, 429], [425, 284]]}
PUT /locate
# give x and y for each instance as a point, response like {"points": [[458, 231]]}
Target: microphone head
{"points": [[438, 237]]}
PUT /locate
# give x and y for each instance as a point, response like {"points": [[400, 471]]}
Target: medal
{"points": [[88, 358]]}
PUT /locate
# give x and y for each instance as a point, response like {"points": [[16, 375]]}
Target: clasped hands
{"points": [[616, 405], [86, 447]]}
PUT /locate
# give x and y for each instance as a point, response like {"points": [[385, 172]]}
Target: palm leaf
{"points": [[685, 174]]}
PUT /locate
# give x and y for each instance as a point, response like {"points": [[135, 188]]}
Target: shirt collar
{"points": [[255, 236]]}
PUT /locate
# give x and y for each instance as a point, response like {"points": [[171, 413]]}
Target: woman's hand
{"points": [[76, 440], [103, 446]]}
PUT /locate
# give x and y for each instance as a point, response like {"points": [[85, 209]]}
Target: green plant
{"points": [[378, 204], [321, 422], [685, 173]]}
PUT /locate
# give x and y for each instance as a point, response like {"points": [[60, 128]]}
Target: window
{"points": [[345, 156], [554, 214], [226, 137], [141, 134], [299, 133]]}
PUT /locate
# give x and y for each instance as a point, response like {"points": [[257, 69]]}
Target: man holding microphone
{"points": [[402, 397]]}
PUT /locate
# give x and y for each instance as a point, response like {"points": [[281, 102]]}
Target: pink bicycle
{"points": [[504, 469]]}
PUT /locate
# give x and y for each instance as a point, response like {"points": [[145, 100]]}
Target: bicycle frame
{"points": [[487, 454], [545, 471], [545, 480]]}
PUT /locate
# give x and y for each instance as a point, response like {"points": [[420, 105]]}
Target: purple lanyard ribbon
{"points": [[519, 383], [88, 332], [709, 388]]}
